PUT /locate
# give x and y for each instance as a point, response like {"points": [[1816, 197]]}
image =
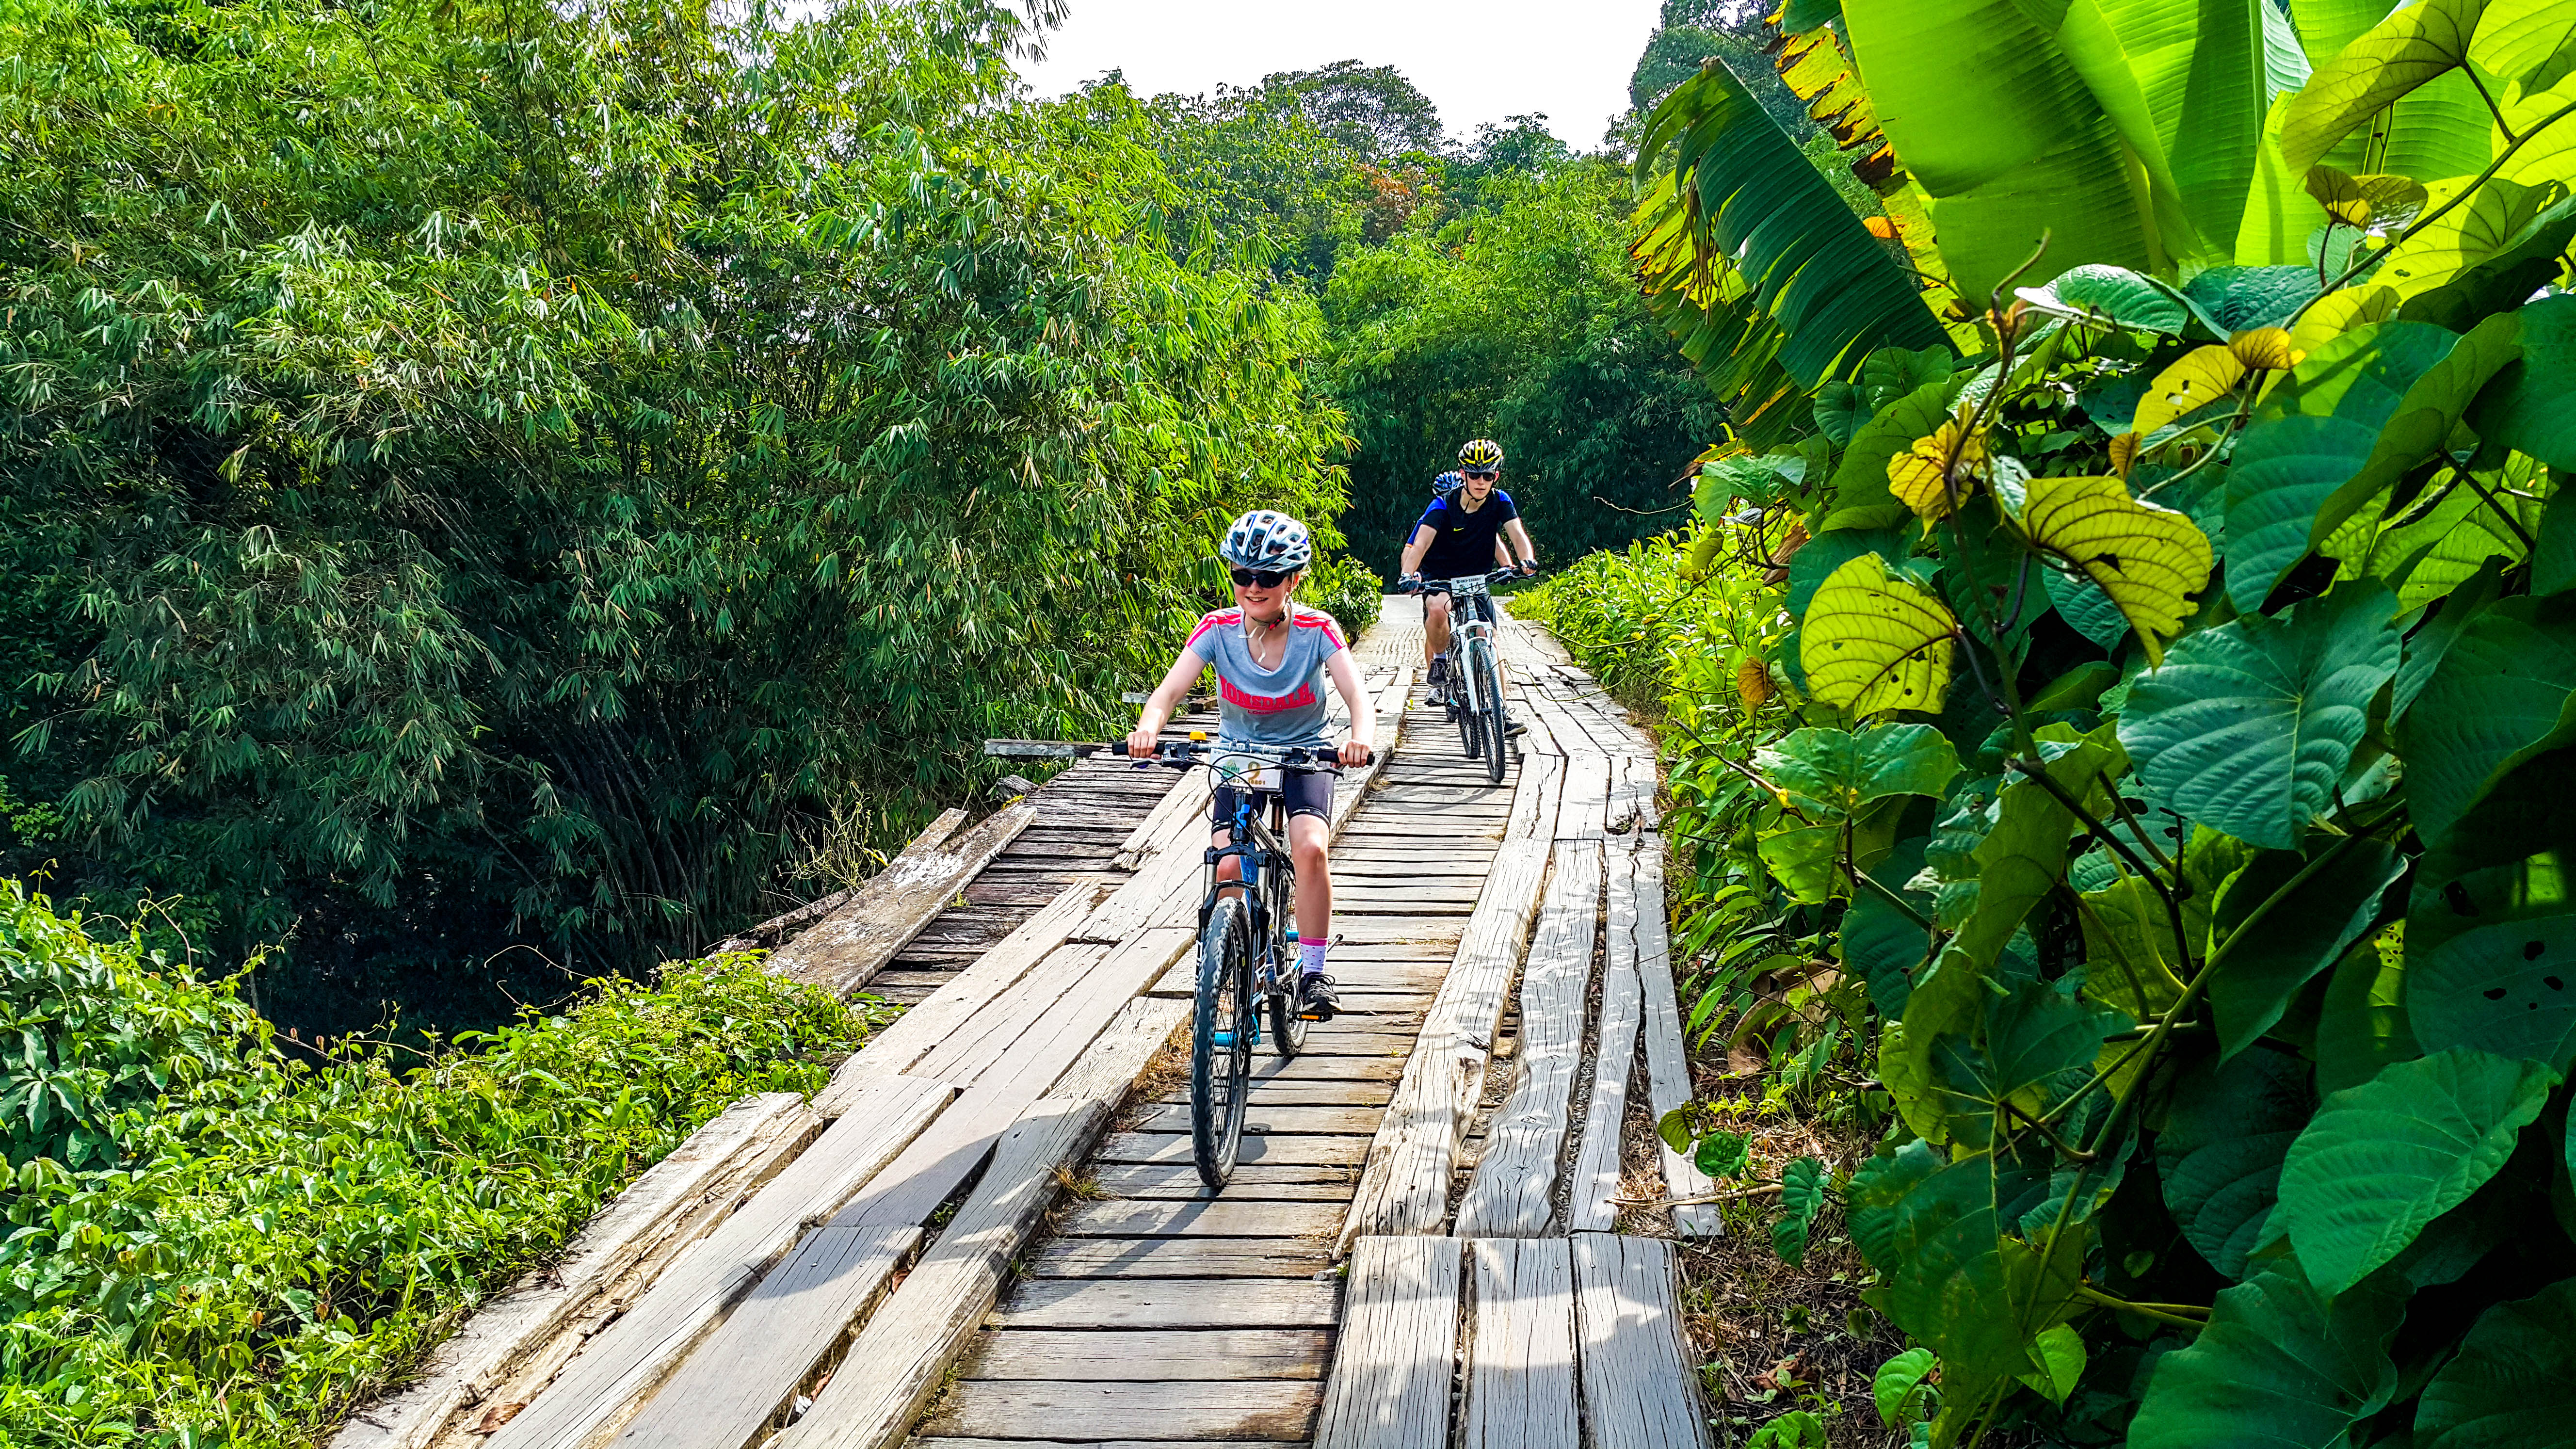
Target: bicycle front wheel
{"points": [[1495, 727], [1221, 1042]]}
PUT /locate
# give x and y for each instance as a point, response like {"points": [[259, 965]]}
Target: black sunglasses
{"points": [[1484, 472], [1260, 578]]}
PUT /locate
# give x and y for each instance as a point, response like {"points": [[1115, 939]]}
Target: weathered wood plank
{"points": [[895, 1049], [898, 1359], [1222, 1218], [1520, 1352], [843, 950], [1596, 1165], [1184, 1257], [1668, 1080], [636, 1352], [1273, 1410], [1511, 1194], [1172, 1303], [1399, 1340], [729, 1388], [1406, 1186], [498, 1338], [1263, 1117], [1218, 1354], [1638, 1386]]}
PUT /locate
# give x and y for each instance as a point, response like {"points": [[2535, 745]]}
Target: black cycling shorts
{"points": [[1480, 605], [1307, 793]]}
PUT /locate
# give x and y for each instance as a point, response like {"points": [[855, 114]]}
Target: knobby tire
{"points": [[1496, 728], [1221, 1072]]}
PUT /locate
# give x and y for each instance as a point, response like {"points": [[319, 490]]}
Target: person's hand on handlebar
{"points": [[1355, 754]]}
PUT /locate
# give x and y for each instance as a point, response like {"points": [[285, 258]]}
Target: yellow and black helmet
{"points": [[1480, 454]]}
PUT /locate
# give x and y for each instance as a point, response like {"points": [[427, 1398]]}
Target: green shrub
{"points": [[213, 1242]]}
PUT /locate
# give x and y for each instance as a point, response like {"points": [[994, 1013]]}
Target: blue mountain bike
{"points": [[1247, 945]]}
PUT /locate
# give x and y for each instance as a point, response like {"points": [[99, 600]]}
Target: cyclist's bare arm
{"points": [[1167, 698], [1346, 680], [1420, 545]]}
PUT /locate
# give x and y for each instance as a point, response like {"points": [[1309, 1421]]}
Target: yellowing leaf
{"points": [[2409, 48], [2373, 203], [2337, 313], [1915, 475], [1871, 642], [2196, 379], [1753, 683], [2266, 348], [2124, 453], [2148, 559]]}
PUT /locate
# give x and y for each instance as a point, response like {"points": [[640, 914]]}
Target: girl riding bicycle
{"points": [[1272, 657]]}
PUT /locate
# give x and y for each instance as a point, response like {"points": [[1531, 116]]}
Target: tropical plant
{"points": [[2158, 746]]}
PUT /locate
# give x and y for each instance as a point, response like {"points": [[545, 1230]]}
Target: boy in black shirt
{"points": [[1458, 535]]}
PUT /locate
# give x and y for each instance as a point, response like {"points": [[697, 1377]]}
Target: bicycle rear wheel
{"points": [[1221, 1042], [1496, 727]]}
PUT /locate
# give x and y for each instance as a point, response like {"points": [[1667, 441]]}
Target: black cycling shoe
{"points": [[1316, 998]]}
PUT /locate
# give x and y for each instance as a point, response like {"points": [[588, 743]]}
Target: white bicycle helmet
{"points": [[1268, 540]]}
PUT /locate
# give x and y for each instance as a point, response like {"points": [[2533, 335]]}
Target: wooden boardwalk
{"points": [[986, 1231]]}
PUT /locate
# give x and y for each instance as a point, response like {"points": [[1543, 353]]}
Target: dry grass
{"points": [[1770, 1337]]}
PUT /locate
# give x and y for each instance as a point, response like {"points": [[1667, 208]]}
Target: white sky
{"points": [[1476, 61]]}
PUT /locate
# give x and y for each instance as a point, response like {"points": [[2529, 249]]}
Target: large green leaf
{"points": [[2530, 43], [2531, 405], [1830, 772], [2199, 71], [2500, 693], [2273, 959], [2363, 1026], [1948, 1273], [1989, 114], [2513, 1384], [2248, 726], [1741, 197], [2226, 1132], [2351, 419], [2279, 1367], [2413, 46], [2381, 1160]]}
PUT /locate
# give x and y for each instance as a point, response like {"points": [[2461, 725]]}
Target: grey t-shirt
{"points": [[1281, 707]]}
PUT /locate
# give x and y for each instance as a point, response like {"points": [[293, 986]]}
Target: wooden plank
{"points": [[1520, 1353], [1185, 1257], [1270, 1410], [1512, 1192], [1596, 1164], [1218, 1219], [1390, 1383], [892, 1051], [1171, 1303], [729, 1388], [1405, 1188], [501, 1335], [1251, 1179], [636, 1352], [1209, 1354], [1260, 1117], [1668, 1080], [1638, 1386], [897, 1361], [846, 948]]}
